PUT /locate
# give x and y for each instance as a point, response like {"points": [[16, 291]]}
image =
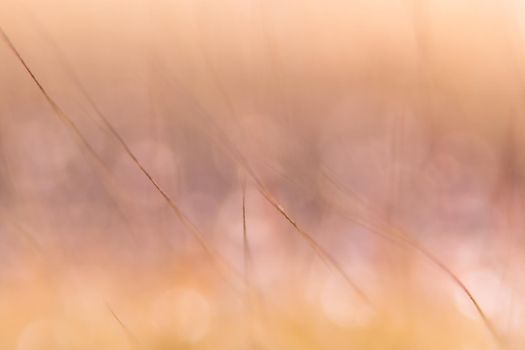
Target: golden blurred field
{"points": [[262, 174]]}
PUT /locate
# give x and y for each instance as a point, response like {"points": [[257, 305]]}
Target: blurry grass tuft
{"points": [[175, 301]]}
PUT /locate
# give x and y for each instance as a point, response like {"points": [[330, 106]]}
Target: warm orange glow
{"points": [[375, 147]]}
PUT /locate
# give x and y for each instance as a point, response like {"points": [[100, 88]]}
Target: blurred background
{"points": [[262, 174]]}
